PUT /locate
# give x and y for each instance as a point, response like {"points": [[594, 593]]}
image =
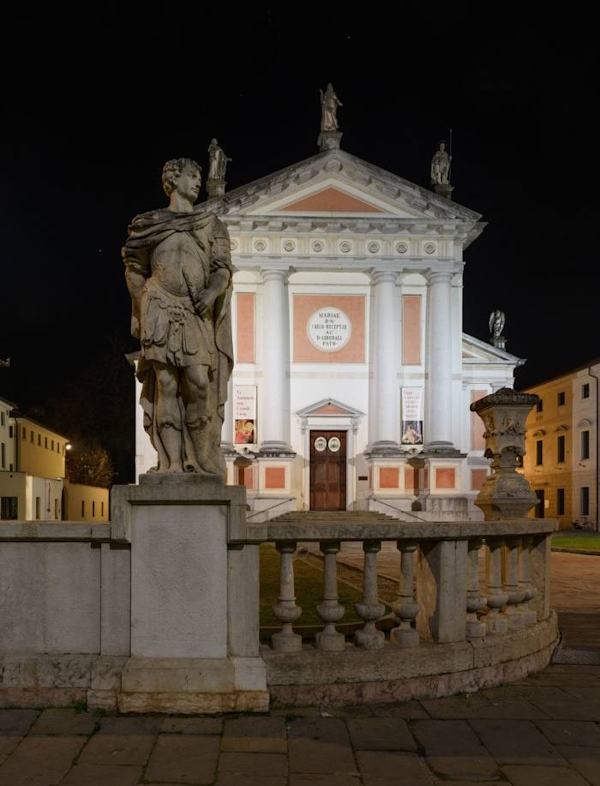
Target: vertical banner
{"points": [[412, 416], [244, 414]]}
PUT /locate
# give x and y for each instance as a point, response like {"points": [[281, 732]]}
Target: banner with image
{"points": [[244, 414], [412, 416]]}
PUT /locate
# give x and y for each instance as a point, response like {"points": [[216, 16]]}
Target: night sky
{"points": [[94, 105]]}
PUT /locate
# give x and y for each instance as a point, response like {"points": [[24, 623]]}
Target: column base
{"points": [[275, 448], [440, 447], [384, 447]]}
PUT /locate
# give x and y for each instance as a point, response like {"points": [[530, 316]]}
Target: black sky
{"points": [[95, 104]]}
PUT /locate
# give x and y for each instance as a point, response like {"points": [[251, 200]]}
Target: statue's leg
{"points": [[200, 412], [168, 416]]}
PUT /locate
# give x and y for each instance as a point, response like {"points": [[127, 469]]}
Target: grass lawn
{"points": [[308, 585], [580, 542]]}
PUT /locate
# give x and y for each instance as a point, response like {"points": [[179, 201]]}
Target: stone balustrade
{"points": [[472, 608]]}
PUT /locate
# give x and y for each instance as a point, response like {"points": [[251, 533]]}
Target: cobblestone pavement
{"points": [[543, 730]]}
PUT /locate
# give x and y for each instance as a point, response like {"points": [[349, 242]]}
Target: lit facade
{"points": [[353, 377], [32, 474], [561, 462]]}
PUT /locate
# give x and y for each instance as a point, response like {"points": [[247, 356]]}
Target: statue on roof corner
{"points": [[496, 323], [329, 107], [217, 161], [440, 166]]}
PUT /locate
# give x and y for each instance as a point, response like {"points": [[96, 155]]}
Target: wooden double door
{"points": [[328, 470]]}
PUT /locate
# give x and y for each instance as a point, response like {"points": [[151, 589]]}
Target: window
{"points": [[584, 501], [8, 507], [93, 509], [560, 449], [24, 433], [585, 391], [102, 508], [55, 507], [40, 440], [2, 422], [539, 452], [585, 445], [52, 445], [10, 431], [38, 507], [560, 502], [82, 508], [561, 398], [3, 456], [31, 436], [540, 405], [45, 442]]}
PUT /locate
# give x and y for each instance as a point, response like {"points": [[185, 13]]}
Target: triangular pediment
{"points": [[329, 407], [335, 184], [331, 200]]}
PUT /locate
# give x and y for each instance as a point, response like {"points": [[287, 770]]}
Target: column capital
{"points": [[439, 276], [383, 276], [275, 274]]}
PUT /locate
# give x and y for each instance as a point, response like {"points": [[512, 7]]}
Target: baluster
{"points": [[516, 593], [369, 608], [475, 601], [529, 615], [330, 611], [286, 609], [496, 597], [405, 607]]}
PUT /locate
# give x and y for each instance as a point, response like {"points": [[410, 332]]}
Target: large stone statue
{"points": [[217, 161], [440, 166], [329, 107], [178, 273]]}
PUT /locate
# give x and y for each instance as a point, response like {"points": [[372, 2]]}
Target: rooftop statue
{"points": [[329, 107], [440, 166], [217, 161], [179, 275]]}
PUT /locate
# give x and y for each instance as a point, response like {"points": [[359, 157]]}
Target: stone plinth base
{"points": [[194, 685]]}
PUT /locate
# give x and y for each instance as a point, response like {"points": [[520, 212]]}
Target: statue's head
{"points": [[173, 169]]}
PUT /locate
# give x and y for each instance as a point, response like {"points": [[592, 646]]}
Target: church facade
{"points": [[353, 377]]}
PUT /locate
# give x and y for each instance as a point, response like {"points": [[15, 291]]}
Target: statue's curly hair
{"points": [[173, 168]]}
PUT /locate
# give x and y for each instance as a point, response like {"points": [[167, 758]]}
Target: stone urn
{"points": [[506, 493]]}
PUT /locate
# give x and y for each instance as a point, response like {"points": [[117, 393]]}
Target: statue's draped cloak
{"points": [[145, 233]]}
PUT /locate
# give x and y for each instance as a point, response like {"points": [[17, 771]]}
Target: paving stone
{"points": [[524, 691], [40, 761], [232, 779], [256, 764], [315, 778], [566, 732], [64, 721], [320, 745], [585, 760], [7, 746], [131, 724], [209, 726], [393, 769], [452, 750], [380, 734], [16, 723], [117, 749], [516, 742], [528, 775], [264, 734], [408, 710], [571, 709], [183, 759], [102, 775], [480, 707]]}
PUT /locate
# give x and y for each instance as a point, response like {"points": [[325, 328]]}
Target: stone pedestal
{"points": [[194, 602]]}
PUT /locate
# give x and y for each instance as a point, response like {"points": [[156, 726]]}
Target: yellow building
{"points": [[32, 474], [561, 462]]}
